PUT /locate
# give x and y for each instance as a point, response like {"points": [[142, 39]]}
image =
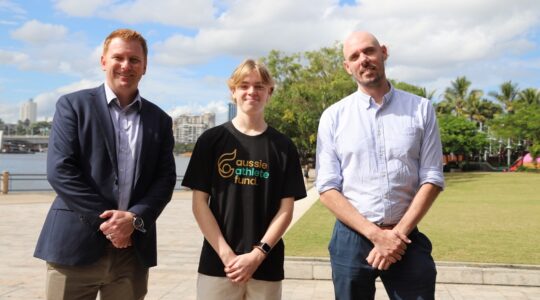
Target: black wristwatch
{"points": [[138, 224], [264, 247]]}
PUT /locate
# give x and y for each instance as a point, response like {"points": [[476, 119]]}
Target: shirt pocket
{"points": [[405, 142]]}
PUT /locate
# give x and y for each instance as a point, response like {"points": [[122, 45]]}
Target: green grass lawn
{"points": [[480, 217]]}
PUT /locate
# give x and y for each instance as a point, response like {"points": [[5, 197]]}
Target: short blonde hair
{"points": [[246, 67], [126, 35]]}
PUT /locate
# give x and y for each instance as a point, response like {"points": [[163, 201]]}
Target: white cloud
{"points": [[168, 12], [81, 8], [14, 58], [431, 40], [9, 113], [35, 32], [46, 101], [11, 7], [52, 49], [172, 87], [420, 33], [253, 28]]}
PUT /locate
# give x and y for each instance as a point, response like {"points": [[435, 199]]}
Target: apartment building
{"points": [[188, 128]]}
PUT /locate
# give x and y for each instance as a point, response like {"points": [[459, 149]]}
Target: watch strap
{"points": [[264, 247]]}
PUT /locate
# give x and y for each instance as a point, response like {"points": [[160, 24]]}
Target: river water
{"points": [[36, 164]]}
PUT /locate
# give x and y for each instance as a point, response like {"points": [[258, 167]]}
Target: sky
{"points": [[52, 47]]}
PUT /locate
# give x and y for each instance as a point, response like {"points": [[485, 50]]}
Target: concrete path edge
{"points": [[447, 272]]}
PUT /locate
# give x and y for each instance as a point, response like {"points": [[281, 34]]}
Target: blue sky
{"points": [[49, 48]]}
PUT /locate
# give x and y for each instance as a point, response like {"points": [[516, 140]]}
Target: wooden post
{"points": [[5, 182]]}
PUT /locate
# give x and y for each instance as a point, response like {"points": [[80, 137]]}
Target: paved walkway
{"points": [[23, 277]]}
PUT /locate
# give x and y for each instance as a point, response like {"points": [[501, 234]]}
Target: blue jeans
{"points": [[413, 277]]}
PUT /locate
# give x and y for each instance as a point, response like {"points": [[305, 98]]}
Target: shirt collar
{"points": [[367, 101], [111, 97]]}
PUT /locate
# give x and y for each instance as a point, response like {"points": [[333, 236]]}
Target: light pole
{"points": [[509, 152]]}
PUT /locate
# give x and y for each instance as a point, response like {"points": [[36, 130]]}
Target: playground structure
{"points": [[525, 161]]}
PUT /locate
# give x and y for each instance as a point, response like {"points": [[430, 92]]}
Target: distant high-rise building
{"points": [[29, 111], [188, 128], [232, 110]]}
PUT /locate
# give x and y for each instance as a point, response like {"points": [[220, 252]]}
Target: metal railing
{"points": [[20, 182]]}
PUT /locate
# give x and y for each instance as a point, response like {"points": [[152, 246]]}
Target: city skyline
{"points": [[49, 48]]}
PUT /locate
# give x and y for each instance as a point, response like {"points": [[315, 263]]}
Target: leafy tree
{"points": [[419, 91], [40, 128], [455, 97], [522, 124], [480, 110], [460, 101], [306, 84], [530, 96], [460, 136], [22, 127], [507, 95]]}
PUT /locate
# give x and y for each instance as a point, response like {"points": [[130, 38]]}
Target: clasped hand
{"points": [[240, 268], [118, 227], [389, 246]]}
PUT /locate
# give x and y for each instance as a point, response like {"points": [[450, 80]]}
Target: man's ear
{"points": [[102, 62], [346, 67], [384, 51]]}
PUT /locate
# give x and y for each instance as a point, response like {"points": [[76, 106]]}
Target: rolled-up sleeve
{"points": [[328, 166], [431, 168]]}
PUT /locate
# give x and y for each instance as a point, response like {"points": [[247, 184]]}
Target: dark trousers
{"points": [[413, 277]]}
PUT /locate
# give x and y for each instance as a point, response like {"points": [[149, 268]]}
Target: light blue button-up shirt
{"points": [[379, 156], [126, 123]]}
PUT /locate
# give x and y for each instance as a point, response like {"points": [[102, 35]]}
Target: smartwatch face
{"points": [[266, 247]]}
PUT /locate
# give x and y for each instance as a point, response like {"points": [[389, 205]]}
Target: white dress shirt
{"points": [[378, 156]]}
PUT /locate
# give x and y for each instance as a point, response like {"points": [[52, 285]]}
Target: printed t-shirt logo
{"points": [[246, 172]]}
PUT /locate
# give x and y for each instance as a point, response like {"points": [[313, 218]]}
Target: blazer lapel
{"points": [[105, 124], [145, 136]]}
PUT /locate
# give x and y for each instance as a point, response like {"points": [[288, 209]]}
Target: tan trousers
{"points": [[215, 288], [116, 275]]}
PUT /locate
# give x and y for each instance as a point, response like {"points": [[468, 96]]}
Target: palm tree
{"points": [[456, 96], [507, 95], [529, 96], [473, 108]]}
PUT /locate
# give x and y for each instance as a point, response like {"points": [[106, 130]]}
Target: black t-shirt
{"points": [[246, 177]]}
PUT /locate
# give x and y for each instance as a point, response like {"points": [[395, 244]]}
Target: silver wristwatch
{"points": [[138, 224]]}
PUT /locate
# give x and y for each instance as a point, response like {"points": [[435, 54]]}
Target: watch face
{"points": [[266, 247], [138, 224]]}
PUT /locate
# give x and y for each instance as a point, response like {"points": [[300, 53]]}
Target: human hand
{"points": [[118, 227], [242, 267], [389, 247]]}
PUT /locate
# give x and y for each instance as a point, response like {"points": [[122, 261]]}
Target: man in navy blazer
{"points": [[110, 161]]}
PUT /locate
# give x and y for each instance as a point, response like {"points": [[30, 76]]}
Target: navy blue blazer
{"points": [[82, 169]]}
